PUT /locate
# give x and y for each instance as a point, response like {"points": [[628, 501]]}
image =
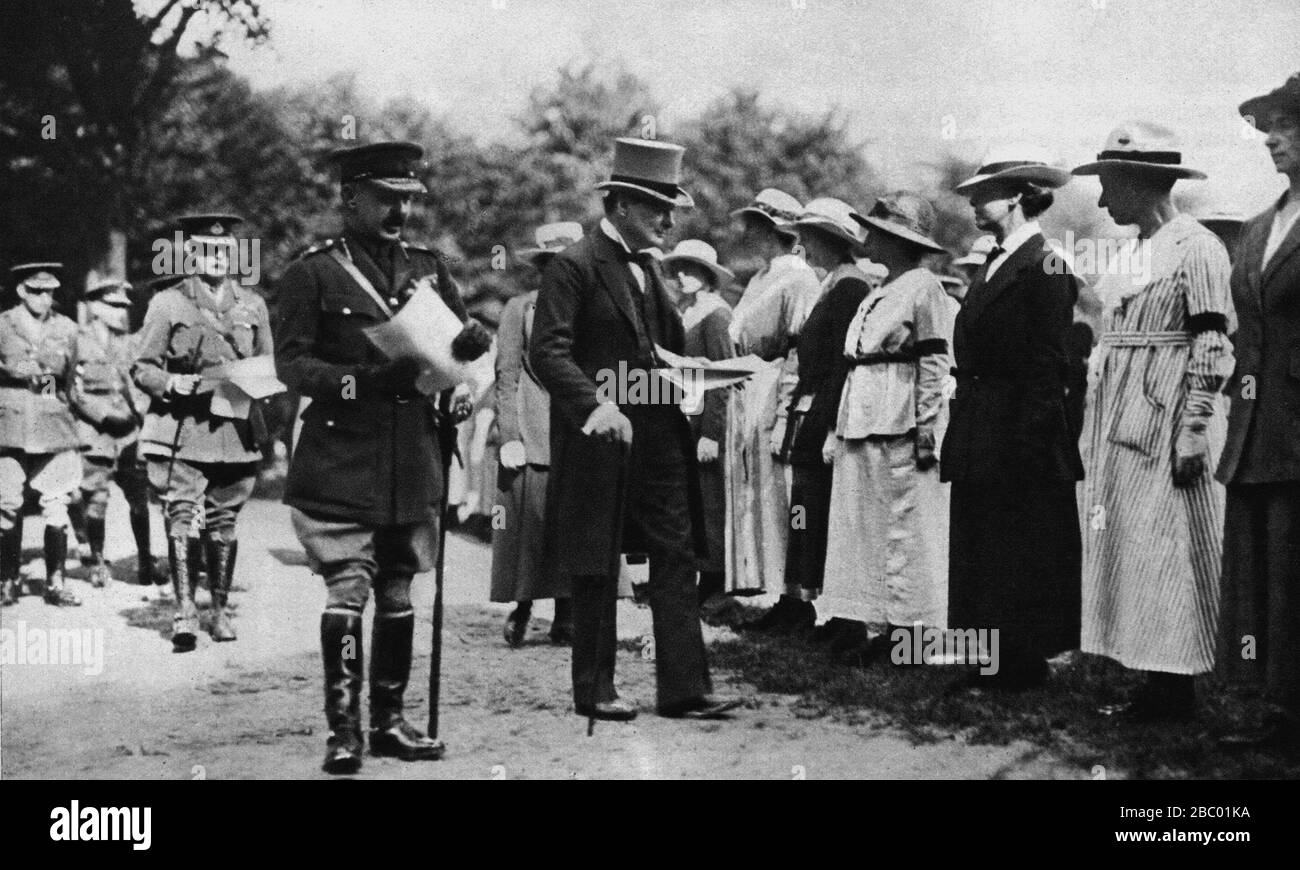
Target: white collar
{"points": [[1017, 237]]}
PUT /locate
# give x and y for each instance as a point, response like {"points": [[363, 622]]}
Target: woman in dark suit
{"points": [[831, 239], [1014, 545]]}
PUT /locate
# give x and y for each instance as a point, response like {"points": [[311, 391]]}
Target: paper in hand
{"points": [[236, 384], [424, 330]]}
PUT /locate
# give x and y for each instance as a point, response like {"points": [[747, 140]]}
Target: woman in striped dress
{"points": [[1154, 426]]}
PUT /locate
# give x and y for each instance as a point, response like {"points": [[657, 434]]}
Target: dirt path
{"points": [[251, 709]]}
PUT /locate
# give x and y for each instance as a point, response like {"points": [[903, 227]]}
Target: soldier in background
{"points": [[110, 410], [202, 466], [366, 479], [38, 434]]}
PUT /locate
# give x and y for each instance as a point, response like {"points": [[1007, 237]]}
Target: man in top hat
{"points": [[1260, 633], [623, 475], [202, 465], [366, 481], [109, 409], [38, 434]]}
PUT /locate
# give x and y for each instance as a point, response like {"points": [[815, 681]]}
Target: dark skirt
{"points": [[1014, 564], [713, 498], [518, 529], [1259, 638], [810, 508]]}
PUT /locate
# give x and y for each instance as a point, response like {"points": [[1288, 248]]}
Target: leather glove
{"points": [[706, 450], [391, 380], [182, 385], [607, 423], [925, 455], [471, 343], [462, 403], [1191, 444]]}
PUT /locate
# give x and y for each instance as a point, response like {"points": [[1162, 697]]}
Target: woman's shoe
{"points": [[516, 627]]}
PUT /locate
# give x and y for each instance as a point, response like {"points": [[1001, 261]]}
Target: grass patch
{"points": [[1061, 717]]}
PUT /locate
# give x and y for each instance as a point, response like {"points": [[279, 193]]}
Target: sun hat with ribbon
{"points": [[551, 239], [836, 218], [651, 168], [978, 253], [37, 276], [1285, 98], [777, 207], [1017, 162], [905, 215], [701, 254], [1144, 147]]}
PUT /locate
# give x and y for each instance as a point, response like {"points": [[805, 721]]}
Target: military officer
{"points": [[366, 477], [38, 434], [110, 409], [201, 465]]}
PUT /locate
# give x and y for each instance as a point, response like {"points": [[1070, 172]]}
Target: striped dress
{"points": [[1151, 551]]}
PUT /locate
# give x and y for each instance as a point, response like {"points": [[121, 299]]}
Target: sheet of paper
{"points": [[424, 329], [237, 383], [230, 402], [691, 374]]}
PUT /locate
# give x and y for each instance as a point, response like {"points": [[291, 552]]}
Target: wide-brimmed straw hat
{"points": [[1143, 147], [1018, 162], [978, 253], [651, 168], [551, 239], [905, 215], [701, 254], [776, 207], [836, 218], [1285, 98]]}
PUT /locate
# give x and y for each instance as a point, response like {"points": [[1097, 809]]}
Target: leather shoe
{"points": [[616, 710], [703, 707], [403, 741], [342, 753]]}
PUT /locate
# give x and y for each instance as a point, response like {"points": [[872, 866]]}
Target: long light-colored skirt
{"points": [[518, 526], [757, 498], [887, 544]]}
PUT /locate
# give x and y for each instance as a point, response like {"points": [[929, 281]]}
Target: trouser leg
{"points": [[595, 639]]}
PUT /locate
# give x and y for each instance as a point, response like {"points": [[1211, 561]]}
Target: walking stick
{"points": [[446, 445]]}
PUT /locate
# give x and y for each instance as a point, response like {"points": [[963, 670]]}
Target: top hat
{"points": [[836, 218], [209, 227], [701, 254], [650, 168], [37, 276], [1142, 146], [778, 208], [978, 253], [389, 165], [905, 215], [1018, 162], [110, 291], [551, 239], [1285, 98]]}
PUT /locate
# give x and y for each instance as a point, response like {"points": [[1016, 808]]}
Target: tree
{"points": [[81, 86]]}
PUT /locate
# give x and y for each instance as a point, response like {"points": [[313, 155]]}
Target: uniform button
{"points": [[392, 300], [347, 310], [329, 422]]}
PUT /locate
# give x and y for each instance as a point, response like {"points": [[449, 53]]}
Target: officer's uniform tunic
{"points": [[198, 461]]}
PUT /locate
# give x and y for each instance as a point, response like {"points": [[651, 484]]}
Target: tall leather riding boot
{"points": [[221, 570], [185, 624], [56, 553], [77, 519], [99, 573], [340, 645], [11, 561], [146, 567], [198, 561], [390, 669]]}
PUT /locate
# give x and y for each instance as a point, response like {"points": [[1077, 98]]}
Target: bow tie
{"points": [[644, 259], [997, 251]]}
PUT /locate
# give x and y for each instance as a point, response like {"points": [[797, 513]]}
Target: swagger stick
{"points": [[446, 445]]}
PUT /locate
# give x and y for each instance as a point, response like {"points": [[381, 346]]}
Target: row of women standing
{"points": [[1131, 563]]}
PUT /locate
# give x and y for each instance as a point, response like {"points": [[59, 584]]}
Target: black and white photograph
{"points": [[652, 390]]}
